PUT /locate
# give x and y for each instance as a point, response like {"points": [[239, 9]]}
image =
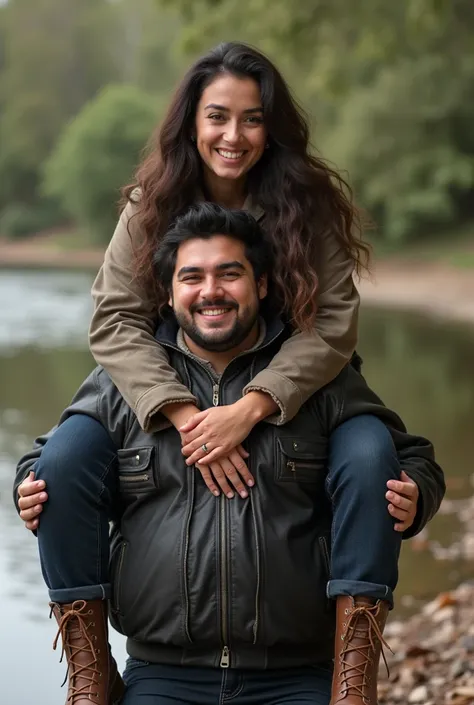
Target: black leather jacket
{"points": [[200, 580]]}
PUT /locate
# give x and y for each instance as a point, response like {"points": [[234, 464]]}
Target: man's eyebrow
{"points": [[249, 111], [235, 264], [188, 270], [231, 265]]}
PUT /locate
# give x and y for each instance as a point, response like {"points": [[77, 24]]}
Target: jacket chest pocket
{"points": [[301, 460], [136, 472]]}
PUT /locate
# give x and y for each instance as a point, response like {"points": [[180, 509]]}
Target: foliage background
{"points": [[388, 88]]}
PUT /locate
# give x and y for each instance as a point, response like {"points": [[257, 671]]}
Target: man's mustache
{"points": [[217, 303]]}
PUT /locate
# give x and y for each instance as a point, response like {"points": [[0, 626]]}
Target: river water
{"points": [[420, 367]]}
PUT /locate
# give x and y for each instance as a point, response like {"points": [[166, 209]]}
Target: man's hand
{"points": [[31, 499], [403, 498]]}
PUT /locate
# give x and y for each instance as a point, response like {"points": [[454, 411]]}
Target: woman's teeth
{"points": [[229, 155]]}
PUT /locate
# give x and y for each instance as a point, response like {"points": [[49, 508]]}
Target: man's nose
{"points": [[212, 288]]}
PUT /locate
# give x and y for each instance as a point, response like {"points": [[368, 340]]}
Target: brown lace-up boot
{"points": [[92, 672], [359, 625]]}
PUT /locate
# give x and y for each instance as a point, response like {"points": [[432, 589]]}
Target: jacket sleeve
{"points": [[97, 398], [121, 334], [307, 361], [351, 396]]}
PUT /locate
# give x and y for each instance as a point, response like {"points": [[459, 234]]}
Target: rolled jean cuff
{"points": [[88, 592], [360, 588]]}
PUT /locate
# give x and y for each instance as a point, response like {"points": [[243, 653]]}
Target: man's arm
{"points": [[97, 398], [351, 396]]}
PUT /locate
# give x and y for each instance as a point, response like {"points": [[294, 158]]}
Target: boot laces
{"points": [[71, 627], [374, 633]]}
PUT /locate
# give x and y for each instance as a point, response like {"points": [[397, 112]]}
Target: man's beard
{"points": [[215, 340]]}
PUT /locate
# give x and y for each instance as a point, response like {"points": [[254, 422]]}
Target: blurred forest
{"points": [[389, 88]]}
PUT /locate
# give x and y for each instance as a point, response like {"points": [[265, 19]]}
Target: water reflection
{"points": [[420, 367]]}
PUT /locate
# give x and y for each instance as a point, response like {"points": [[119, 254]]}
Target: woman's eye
{"points": [[215, 116], [255, 120]]}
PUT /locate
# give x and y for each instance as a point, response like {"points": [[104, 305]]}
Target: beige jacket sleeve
{"points": [[124, 320], [121, 333], [308, 361]]}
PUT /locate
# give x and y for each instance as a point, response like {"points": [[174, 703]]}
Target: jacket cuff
{"points": [[282, 391], [154, 399]]}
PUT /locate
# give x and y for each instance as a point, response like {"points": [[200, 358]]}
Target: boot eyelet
{"points": [[97, 651], [346, 611], [344, 625], [342, 637], [92, 624], [94, 637], [89, 612]]}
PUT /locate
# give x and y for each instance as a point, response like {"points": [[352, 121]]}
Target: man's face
{"points": [[215, 297]]}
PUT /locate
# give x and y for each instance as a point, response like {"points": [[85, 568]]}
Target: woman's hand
{"points": [[403, 498], [231, 466], [215, 432], [226, 471], [31, 499]]}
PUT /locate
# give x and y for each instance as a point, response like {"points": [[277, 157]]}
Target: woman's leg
{"points": [[365, 552], [78, 466]]}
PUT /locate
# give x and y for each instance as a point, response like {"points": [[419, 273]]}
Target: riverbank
{"points": [[436, 288]]}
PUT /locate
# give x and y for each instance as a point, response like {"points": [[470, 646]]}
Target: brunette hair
{"points": [[206, 220], [303, 198]]}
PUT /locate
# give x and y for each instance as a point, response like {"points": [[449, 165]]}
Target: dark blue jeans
{"points": [[78, 466], [153, 684]]}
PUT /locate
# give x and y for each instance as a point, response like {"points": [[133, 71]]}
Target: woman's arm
{"points": [[310, 360], [122, 338]]}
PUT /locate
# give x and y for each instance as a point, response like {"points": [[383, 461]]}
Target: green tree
{"points": [[97, 154], [56, 55]]}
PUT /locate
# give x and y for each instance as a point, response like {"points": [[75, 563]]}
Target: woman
{"points": [[233, 135]]}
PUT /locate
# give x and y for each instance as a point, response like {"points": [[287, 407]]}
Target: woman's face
{"points": [[230, 131]]}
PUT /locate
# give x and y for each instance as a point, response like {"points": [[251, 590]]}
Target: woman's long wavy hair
{"points": [[302, 197]]}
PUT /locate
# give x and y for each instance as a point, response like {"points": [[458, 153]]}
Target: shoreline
{"points": [[434, 288]]}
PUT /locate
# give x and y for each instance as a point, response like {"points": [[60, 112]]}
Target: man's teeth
{"points": [[230, 155], [214, 311]]}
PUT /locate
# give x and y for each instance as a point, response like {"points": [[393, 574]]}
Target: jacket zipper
{"points": [[134, 478], [293, 465], [225, 654]]}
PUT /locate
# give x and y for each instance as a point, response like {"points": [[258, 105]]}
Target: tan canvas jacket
{"points": [[125, 318]]}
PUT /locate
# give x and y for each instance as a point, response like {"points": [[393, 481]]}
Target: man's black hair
{"points": [[205, 220]]}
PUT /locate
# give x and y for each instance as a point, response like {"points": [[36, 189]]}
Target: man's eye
{"points": [[192, 278], [230, 275]]}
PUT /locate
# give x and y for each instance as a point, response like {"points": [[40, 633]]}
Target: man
{"points": [[224, 599]]}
